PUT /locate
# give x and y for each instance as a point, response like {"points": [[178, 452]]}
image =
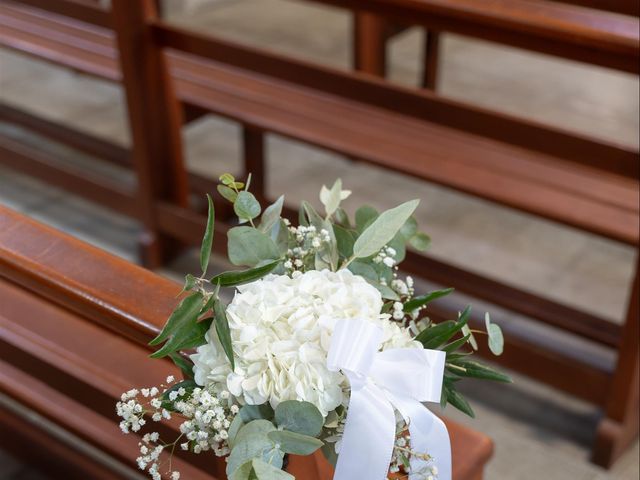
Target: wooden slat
{"points": [[83, 10], [38, 164], [406, 101], [82, 141], [595, 37]]}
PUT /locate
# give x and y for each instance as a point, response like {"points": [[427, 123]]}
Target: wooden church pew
{"points": [[544, 171], [74, 327]]}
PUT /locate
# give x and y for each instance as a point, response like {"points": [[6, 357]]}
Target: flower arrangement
{"points": [[323, 346]]}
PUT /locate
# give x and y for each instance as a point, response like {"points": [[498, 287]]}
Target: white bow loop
{"points": [[400, 378]]}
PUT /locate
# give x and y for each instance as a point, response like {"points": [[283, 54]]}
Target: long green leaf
{"points": [[418, 302], [186, 311], [185, 365], [383, 229], [207, 240], [440, 334], [457, 400], [190, 335], [224, 334], [231, 279], [479, 370]]}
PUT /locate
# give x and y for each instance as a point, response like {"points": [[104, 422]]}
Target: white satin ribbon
{"points": [[400, 378]]}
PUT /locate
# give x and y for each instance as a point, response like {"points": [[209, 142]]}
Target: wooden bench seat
{"points": [[530, 181], [73, 336]]}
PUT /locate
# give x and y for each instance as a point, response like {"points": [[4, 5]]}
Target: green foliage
{"points": [[295, 443], [182, 327], [457, 400], [223, 332], [207, 240], [365, 216], [299, 417], [496, 340], [266, 471], [271, 215], [422, 300], [420, 241], [470, 368], [250, 247], [437, 335], [383, 229], [228, 193], [184, 364], [235, 278], [256, 412], [246, 206]]}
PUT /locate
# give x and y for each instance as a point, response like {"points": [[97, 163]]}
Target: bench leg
{"points": [[155, 119], [619, 427], [370, 43], [431, 59], [254, 160]]}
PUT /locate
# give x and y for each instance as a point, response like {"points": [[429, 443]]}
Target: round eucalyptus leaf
{"points": [[299, 417], [295, 443]]}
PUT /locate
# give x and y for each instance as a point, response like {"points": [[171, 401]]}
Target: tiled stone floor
{"points": [[539, 433]]}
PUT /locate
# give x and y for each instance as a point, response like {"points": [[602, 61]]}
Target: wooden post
{"points": [[619, 427], [254, 160], [155, 119], [369, 43], [431, 59]]}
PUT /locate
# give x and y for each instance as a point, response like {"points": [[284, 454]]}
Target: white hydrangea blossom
{"points": [[281, 330]]}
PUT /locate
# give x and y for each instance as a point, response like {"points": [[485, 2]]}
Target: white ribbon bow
{"points": [[400, 378]]}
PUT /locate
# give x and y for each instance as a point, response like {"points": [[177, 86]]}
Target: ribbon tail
{"points": [[428, 435], [368, 438]]}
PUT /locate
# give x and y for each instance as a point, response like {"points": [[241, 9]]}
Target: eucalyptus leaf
{"points": [[417, 302], [252, 446], [299, 417], [266, 471], [248, 246], [236, 424], [472, 339], [223, 332], [228, 193], [341, 218], [271, 215], [344, 240], [328, 256], [246, 206], [365, 270], [295, 443], [329, 452], [409, 229], [227, 179], [365, 216], [383, 229], [259, 426], [253, 412], [231, 279], [496, 339], [420, 241]]}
